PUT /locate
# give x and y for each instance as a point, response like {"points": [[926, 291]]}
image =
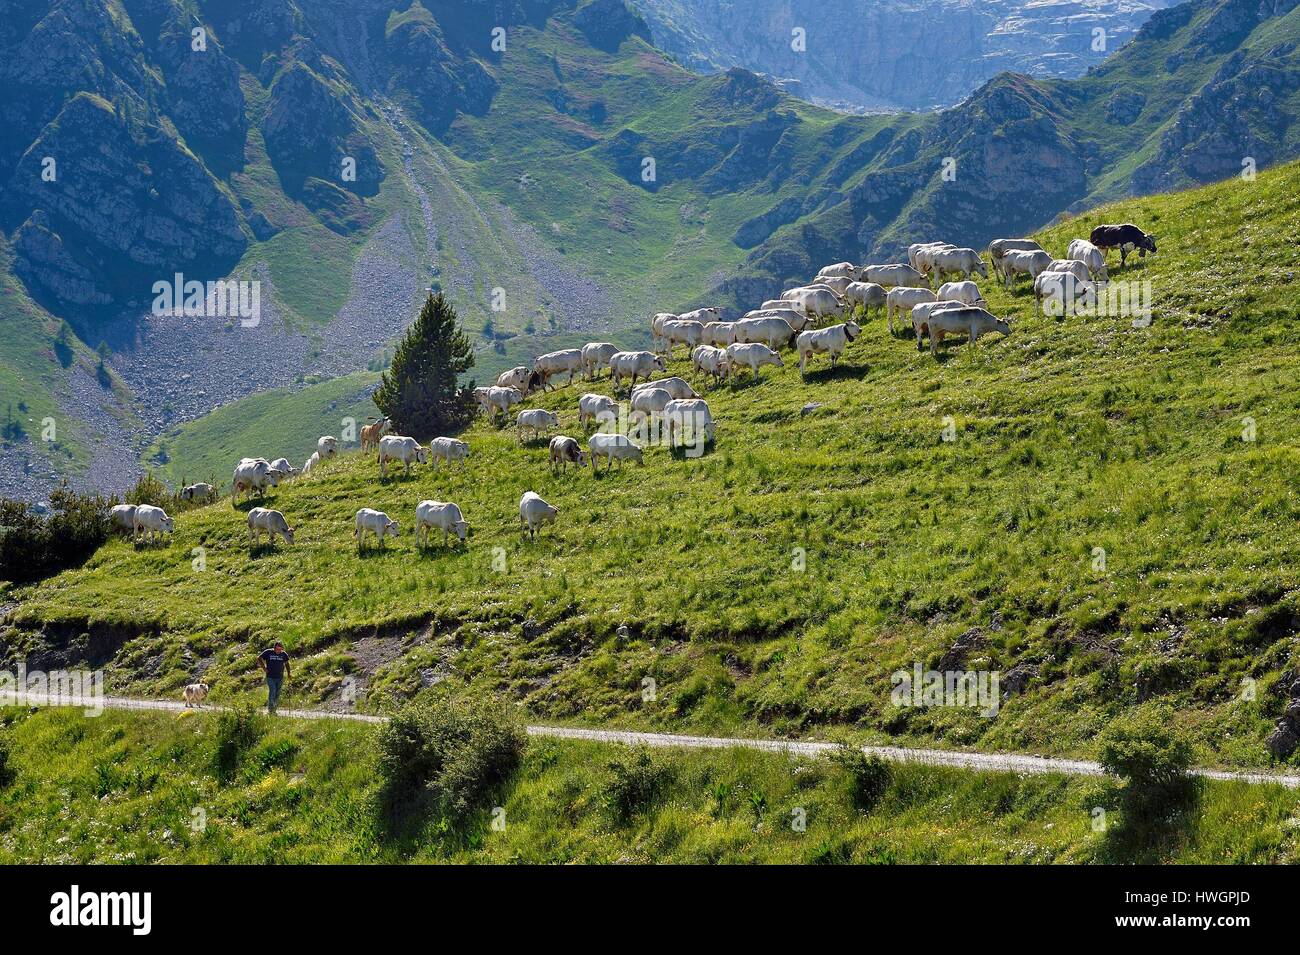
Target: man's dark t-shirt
{"points": [[275, 662]]}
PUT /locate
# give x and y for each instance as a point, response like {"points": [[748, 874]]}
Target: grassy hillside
{"points": [[775, 583], [135, 788], [281, 423]]}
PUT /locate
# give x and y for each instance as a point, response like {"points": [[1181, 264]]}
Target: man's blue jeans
{"points": [[273, 685]]}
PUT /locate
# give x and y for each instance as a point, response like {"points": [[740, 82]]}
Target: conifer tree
{"points": [[420, 393]]}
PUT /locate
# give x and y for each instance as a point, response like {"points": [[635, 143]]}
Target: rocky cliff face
{"points": [[870, 55]]}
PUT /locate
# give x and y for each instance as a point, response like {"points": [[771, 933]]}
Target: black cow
{"points": [[1126, 238]]}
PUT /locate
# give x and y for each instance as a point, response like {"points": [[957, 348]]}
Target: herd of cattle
{"points": [[937, 288]]}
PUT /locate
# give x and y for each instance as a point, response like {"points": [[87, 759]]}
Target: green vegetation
{"points": [[33, 546], [143, 788], [420, 393], [1107, 524]]}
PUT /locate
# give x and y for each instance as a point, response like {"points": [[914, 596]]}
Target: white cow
{"points": [[636, 364], [1016, 263], [1084, 251], [967, 293], [902, 299], [1061, 292], [449, 450], [998, 248], [327, 446], [536, 420], [557, 363], [959, 262], [923, 311], [719, 333], [151, 521], [775, 333], [711, 361], [797, 318], [595, 356], [914, 250], [282, 464], [534, 512], [839, 269], [517, 378], [199, 492], [398, 447], [965, 320], [438, 515], [687, 419], [924, 258], [123, 517], [593, 407], [816, 302], [500, 400], [831, 340], [702, 315], [681, 331], [753, 356], [480, 398], [894, 276], [656, 324], [1078, 269], [370, 521], [253, 474], [650, 402], [613, 447], [867, 294], [263, 520], [311, 462], [675, 386]]}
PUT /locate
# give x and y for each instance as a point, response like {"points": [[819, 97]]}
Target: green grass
{"points": [[282, 423], [143, 788], [1072, 434]]}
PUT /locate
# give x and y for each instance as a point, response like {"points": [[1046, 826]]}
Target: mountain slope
{"points": [[1113, 526]]}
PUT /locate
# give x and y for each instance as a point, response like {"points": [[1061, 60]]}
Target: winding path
{"points": [[986, 762]]}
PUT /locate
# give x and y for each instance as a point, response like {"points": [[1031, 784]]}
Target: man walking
{"points": [[275, 664]]}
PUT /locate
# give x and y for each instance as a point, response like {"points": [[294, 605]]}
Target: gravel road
{"points": [[983, 762]]}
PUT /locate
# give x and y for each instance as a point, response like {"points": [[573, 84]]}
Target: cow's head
{"points": [[852, 330], [288, 534], [392, 529], [1148, 244], [461, 528]]}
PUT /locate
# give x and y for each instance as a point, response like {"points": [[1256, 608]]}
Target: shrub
{"points": [[238, 730], [6, 771], [636, 783], [1153, 758], [33, 546], [869, 776], [450, 755], [149, 490]]}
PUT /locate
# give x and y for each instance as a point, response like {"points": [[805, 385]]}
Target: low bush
{"points": [[1153, 758], [238, 730], [635, 784], [869, 776], [35, 546]]}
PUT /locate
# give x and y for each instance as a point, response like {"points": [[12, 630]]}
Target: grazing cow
{"points": [[815, 302], [500, 399], [839, 269], [1016, 263], [195, 694], [557, 363], [397, 447], [592, 407], [123, 517], [831, 340], [681, 331], [438, 515], [1126, 238], [775, 333], [534, 512], [449, 450], [1081, 250], [263, 520], [903, 298], [565, 451], [836, 283], [649, 402], [688, 417], [253, 474], [867, 294], [964, 320], [753, 356], [914, 251], [636, 364], [1062, 291], [282, 464], [370, 521], [595, 356], [1078, 269], [200, 492], [675, 386], [612, 447], [719, 333], [797, 318], [711, 361], [1000, 247], [536, 420], [656, 324], [923, 261], [959, 262], [480, 399], [894, 276], [151, 521], [967, 293], [327, 446], [371, 433], [311, 462], [702, 315]]}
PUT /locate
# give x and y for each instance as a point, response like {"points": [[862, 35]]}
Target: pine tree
{"points": [[420, 393]]}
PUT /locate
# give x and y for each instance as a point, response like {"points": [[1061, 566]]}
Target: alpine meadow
{"points": [[620, 431]]}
